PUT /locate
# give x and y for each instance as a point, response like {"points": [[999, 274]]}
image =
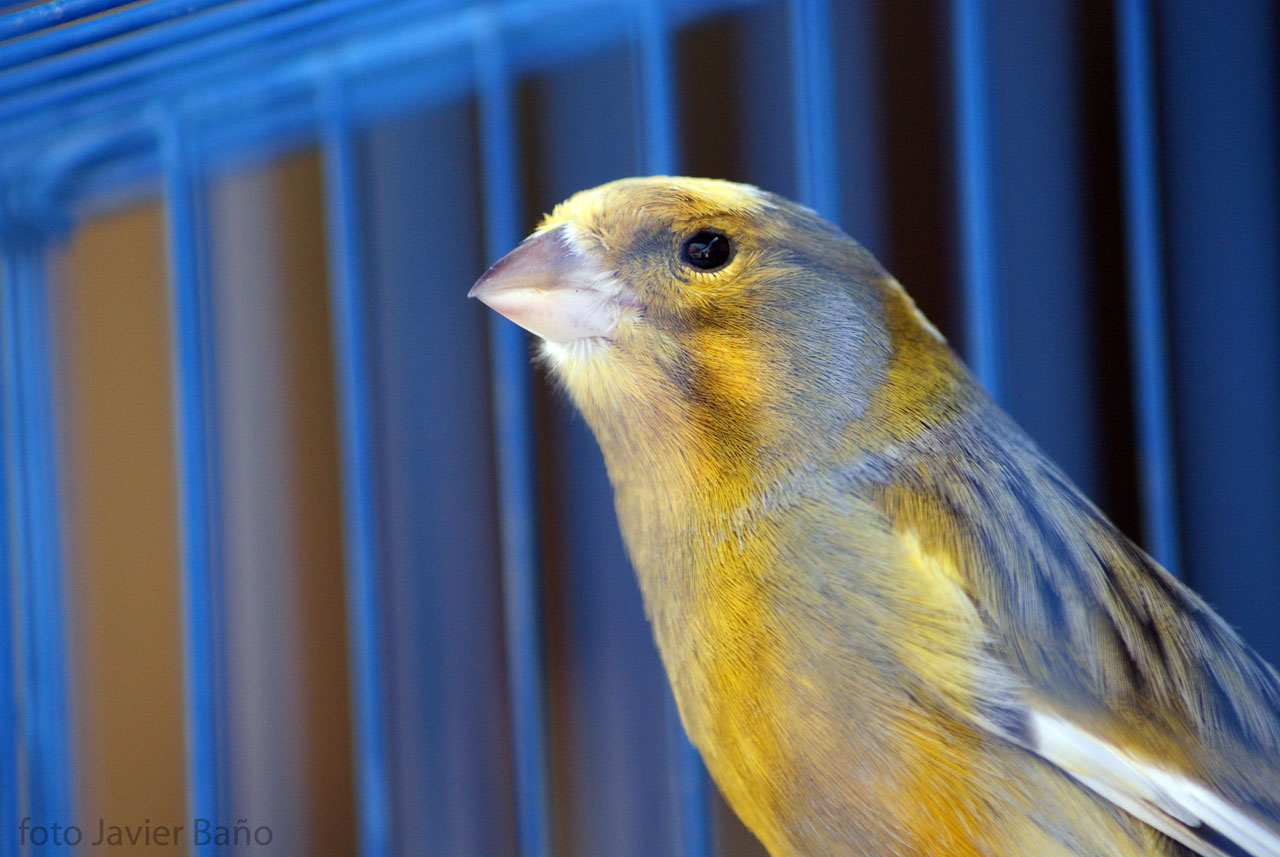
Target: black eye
{"points": [[707, 250]]}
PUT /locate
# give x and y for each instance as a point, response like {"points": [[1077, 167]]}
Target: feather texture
{"points": [[892, 625]]}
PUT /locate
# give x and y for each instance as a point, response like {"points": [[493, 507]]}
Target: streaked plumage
{"points": [[892, 626]]}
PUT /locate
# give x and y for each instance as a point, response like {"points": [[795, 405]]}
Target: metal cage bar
{"points": [[34, 533], [199, 501], [654, 73], [94, 27], [975, 172], [354, 355], [9, 691], [57, 44], [267, 58], [813, 92], [515, 453], [11, 698], [42, 16], [690, 787], [1147, 312]]}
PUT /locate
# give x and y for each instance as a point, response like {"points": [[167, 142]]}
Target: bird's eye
{"points": [[707, 250]]}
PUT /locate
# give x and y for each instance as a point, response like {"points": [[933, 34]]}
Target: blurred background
{"points": [[295, 538]]}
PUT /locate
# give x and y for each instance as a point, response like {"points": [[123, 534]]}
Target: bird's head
{"points": [[700, 322]]}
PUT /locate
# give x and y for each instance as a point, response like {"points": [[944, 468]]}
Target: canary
{"points": [[893, 627]]}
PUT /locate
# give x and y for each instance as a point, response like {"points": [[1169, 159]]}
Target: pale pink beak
{"points": [[548, 288]]}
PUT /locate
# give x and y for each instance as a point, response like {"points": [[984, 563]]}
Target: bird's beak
{"points": [[550, 289]]}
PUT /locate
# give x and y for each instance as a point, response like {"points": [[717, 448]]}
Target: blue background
{"points": [[1083, 196]]}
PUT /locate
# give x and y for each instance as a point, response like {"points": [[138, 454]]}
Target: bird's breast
{"points": [[808, 742], [778, 648]]}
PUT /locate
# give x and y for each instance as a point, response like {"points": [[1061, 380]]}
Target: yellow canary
{"points": [[892, 625]]}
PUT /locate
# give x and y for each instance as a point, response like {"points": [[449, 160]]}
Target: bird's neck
{"points": [[701, 495]]}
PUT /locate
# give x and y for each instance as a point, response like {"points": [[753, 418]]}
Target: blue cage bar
{"points": [[36, 651], [1146, 282], [355, 370], [514, 442], [194, 344], [970, 32]]}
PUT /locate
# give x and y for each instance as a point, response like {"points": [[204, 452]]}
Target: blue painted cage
{"points": [[331, 565]]}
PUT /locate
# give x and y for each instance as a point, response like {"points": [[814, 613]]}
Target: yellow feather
{"points": [[892, 627]]}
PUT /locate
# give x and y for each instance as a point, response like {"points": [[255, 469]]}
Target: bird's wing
{"points": [[1177, 805], [1095, 640]]}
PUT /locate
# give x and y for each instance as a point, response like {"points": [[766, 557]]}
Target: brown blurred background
{"points": [[287, 668]]}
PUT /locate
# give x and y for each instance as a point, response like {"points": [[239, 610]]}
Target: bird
{"points": [[892, 625]]}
